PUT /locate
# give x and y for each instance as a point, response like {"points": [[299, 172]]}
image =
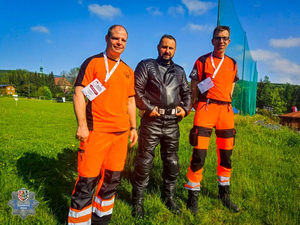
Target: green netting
{"points": [[244, 96]]}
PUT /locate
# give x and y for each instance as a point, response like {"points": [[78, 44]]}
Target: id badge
{"points": [[93, 90], [205, 85]]}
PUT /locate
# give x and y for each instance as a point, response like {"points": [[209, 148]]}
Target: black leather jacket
{"points": [[166, 90]]}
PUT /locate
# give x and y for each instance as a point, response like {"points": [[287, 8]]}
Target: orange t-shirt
{"points": [[108, 111], [223, 80]]}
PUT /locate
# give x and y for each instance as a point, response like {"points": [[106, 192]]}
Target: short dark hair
{"points": [[112, 27], [167, 36], [221, 28]]}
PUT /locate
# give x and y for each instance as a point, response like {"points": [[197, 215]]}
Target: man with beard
{"points": [[164, 98]]}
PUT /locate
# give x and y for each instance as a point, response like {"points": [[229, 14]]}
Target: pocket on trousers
{"points": [[194, 136], [81, 151], [234, 133]]}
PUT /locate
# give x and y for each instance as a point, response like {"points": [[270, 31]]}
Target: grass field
{"points": [[38, 151]]}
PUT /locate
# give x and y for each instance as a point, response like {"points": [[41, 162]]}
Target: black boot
{"points": [[138, 211], [168, 193], [172, 206], [137, 202], [224, 196], [192, 203]]}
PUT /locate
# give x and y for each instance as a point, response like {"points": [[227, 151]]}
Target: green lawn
{"points": [[38, 151]]}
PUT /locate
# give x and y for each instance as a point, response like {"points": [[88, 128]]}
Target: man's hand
{"points": [[133, 137], [82, 133], [154, 113], [181, 112]]}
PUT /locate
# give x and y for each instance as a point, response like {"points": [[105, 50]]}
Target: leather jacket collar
{"points": [[159, 61]]}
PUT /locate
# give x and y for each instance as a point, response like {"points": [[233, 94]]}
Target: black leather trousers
{"points": [[154, 131]]}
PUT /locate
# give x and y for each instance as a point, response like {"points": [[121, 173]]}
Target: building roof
{"points": [[60, 81], [291, 115], [5, 85]]}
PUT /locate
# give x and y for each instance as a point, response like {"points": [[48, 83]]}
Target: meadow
{"points": [[38, 151]]}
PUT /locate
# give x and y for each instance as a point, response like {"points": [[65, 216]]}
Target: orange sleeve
{"points": [[131, 91]]}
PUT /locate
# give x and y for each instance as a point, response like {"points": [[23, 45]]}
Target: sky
{"points": [[60, 35]]}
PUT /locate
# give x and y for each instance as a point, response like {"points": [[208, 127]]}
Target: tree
{"points": [[48, 94], [51, 84], [41, 91], [278, 104], [264, 92], [296, 96], [72, 74], [287, 96]]}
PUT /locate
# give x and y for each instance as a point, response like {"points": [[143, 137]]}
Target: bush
{"points": [[60, 95], [45, 91], [265, 112]]}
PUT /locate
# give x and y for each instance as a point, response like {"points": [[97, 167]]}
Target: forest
{"points": [[280, 96], [34, 84]]}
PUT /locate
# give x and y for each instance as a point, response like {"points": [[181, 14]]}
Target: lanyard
{"points": [[108, 74], [213, 64]]}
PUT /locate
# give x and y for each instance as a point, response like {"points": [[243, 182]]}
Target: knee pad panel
{"points": [[198, 159], [225, 156], [109, 186]]}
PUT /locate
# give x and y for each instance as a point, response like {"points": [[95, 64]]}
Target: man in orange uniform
{"points": [[212, 83], [103, 129]]}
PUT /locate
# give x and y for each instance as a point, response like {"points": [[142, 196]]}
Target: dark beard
{"points": [[166, 61]]}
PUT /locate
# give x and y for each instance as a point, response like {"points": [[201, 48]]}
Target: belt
{"points": [[209, 101], [167, 111]]}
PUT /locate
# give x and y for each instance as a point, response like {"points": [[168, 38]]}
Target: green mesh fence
{"points": [[244, 96]]}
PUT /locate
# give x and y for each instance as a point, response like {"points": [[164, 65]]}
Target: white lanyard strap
{"points": [[213, 64], [108, 74]]}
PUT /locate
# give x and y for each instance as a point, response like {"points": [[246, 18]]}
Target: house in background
{"points": [[6, 89], [291, 119], [63, 83]]}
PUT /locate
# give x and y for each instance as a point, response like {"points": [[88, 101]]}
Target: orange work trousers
{"points": [[100, 162], [208, 116]]}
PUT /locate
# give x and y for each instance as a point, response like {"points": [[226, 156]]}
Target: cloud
{"points": [[198, 8], [154, 11], [105, 11], [283, 69], [285, 43], [49, 41], [284, 66], [264, 55], [175, 11], [40, 29], [80, 2], [196, 27]]}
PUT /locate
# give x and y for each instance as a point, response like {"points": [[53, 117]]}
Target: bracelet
{"points": [[133, 128]]}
